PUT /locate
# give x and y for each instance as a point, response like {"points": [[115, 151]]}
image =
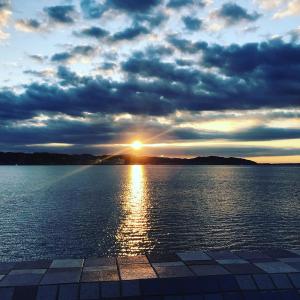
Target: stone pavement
{"points": [[210, 275]]}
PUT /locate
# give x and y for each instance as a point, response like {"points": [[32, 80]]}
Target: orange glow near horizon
{"points": [[137, 145]]}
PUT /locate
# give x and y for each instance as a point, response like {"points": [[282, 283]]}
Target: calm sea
{"points": [[79, 211]]}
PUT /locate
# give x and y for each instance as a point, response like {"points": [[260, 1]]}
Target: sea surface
{"points": [[81, 211]]}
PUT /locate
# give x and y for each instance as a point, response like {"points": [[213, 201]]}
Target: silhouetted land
{"points": [[12, 158]]}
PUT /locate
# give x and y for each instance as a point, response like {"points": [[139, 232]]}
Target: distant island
{"points": [[13, 158]]}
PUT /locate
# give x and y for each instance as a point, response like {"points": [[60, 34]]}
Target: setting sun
{"points": [[136, 145]]}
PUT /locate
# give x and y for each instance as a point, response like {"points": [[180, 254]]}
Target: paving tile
{"points": [[47, 292], [68, 292], [125, 260], [67, 263], [151, 287], [193, 256], [100, 268], [101, 275], [89, 291], [232, 261], [280, 253], [153, 298], [295, 265], [168, 264], [25, 293], [243, 269], [290, 259], [253, 256], [5, 267], [289, 295], [208, 284], [100, 261], [276, 267], [295, 278], [171, 286], [263, 281], [60, 276], [173, 298], [270, 295], [246, 282], [156, 258], [7, 293], [295, 251], [281, 281], [130, 288], [251, 295], [23, 277], [39, 264], [193, 297], [228, 283], [204, 270], [200, 262], [232, 296], [1, 277], [213, 297], [110, 289], [136, 271], [177, 271], [224, 254]]}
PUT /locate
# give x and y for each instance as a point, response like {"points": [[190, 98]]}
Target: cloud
{"points": [[63, 14], [133, 5], [91, 9], [233, 14], [78, 51], [30, 25], [183, 3], [191, 23], [93, 32], [130, 33], [5, 13], [37, 58], [292, 9]]}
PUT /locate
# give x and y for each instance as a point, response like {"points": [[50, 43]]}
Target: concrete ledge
{"points": [[270, 274]]}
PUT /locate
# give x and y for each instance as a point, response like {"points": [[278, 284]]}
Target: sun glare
{"points": [[136, 145]]}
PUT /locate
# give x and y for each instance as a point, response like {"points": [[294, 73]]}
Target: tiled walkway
{"points": [[211, 275]]}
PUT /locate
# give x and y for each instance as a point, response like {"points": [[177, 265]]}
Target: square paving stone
{"points": [[204, 270], [89, 291], [253, 255], [59, 276], [67, 263], [136, 271], [275, 267], [101, 268], [246, 282], [100, 261], [295, 265], [232, 296], [290, 259], [168, 264], [39, 264], [101, 275], [295, 278], [7, 293], [270, 295], [281, 281], [68, 292], [25, 293], [228, 283], [130, 288], [110, 289], [213, 297], [263, 281], [151, 287], [139, 259], [157, 258], [296, 251], [177, 271], [280, 253], [47, 292], [243, 269], [193, 256], [251, 295], [289, 295], [231, 261], [6, 267], [193, 297], [173, 298], [23, 277], [224, 254]]}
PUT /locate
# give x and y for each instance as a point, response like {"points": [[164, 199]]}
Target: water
{"points": [[80, 211]]}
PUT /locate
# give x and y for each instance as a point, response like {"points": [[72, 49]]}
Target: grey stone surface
{"points": [[140, 259], [6, 293], [205, 270], [22, 278], [130, 288], [246, 282], [47, 292], [176, 271], [281, 281], [59, 276], [193, 255], [100, 261], [136, 271], [89, 291], [264, 282], [67, 263], [232, 261], [68, 292], [295, 278], [110, 289], [275, 267]]}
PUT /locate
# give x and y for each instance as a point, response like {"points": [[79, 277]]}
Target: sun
{"points": [[137, 145]]}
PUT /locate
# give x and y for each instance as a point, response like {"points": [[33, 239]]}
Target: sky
{"points": [[184, 77]]}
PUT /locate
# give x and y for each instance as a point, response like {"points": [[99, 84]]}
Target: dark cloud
{"points": [[92, 9], [81, 51], [192, 23], [185, 45], [37, 58], [61, 13], [183, 3], [28, 25], [232, 13], [93, 32], [130, 33], [134, 5]]}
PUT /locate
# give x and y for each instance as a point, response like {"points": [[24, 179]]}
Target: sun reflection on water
{"points": [[133, 232]]}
